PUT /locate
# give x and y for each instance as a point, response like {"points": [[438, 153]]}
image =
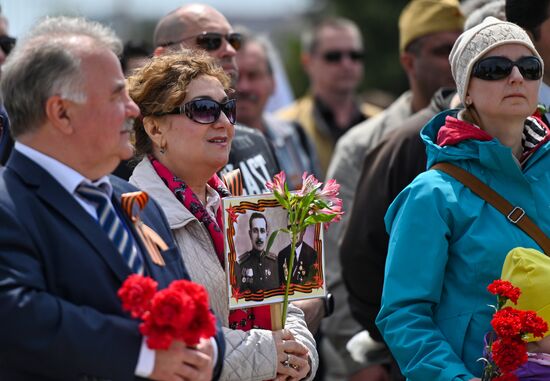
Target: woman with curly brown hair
{"points": [[184, 137]]}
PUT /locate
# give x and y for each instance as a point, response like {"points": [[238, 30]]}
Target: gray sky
{"points": [[22, 14]]}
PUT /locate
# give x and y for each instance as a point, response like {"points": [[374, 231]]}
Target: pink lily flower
{"points": [[278, 184], [334, 210], [309, 184], [330, 191]]}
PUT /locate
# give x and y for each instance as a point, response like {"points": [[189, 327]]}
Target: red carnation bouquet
{"points": [[179, 312], [506, 347]]}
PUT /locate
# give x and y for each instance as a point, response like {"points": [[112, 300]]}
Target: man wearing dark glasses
{"points": [[332, 56], [200, 26], [292, 147], [66, 242]]}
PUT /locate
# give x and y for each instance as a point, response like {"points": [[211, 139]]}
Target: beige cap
{"points": [[422, 17]]}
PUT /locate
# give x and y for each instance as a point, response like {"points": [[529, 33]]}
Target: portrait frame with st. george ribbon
{"points": [[239, 251]]}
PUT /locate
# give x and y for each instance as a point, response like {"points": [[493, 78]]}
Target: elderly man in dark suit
{"points": [[66, 245], [302, 270]]}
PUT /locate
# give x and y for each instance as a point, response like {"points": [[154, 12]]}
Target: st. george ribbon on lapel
{"points": [[132, 204]]}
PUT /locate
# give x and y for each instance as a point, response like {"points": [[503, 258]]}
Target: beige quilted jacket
{"points": [[248, 355]]}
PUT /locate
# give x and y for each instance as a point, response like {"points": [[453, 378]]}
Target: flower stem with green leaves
{"points": [[308, 206], [289, 276]]}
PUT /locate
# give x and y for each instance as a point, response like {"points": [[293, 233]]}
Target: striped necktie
{"points": [[112, 225]]}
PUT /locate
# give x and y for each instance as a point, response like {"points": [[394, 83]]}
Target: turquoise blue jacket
{"points": [[446, 246]]}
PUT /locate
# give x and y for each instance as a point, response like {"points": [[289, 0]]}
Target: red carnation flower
{"points": [[505, 290], [202, 326], [180, 312], [507, 322], [509, 353], [136, 294], [203, 323], [194, 290], [158, 337], [172, 308], [532, 323]]}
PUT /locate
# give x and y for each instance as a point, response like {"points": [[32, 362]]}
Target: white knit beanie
{"points": [[475, 42]]}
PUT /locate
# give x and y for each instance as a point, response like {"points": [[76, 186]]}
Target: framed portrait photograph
{"points": [[257, 276]]}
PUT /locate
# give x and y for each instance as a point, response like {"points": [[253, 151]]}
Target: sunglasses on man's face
{"points": [[334, 56], [7, 43], [211, 41], [206, 111], [495, 68]]}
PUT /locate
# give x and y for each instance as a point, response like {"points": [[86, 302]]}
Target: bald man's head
{"points": [[199, 26]]}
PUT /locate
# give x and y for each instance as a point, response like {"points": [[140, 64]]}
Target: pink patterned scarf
{"points": [[192, 203], [243, 319]]}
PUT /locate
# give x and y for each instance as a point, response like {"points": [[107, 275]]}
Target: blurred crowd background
{"points": [[282, 21]]}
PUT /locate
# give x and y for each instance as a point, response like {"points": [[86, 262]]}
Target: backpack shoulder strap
{"points": [[515, 214]]}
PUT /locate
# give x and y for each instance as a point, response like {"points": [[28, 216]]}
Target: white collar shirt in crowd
{"points": [[67, 177]]}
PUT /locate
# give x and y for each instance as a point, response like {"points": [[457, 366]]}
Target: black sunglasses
{"points": [[495, 68], [211, 41], [334, 56], [206, 111], [7, 43]]}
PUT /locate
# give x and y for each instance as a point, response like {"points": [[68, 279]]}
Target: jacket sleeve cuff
{"points": [[146, 361]]}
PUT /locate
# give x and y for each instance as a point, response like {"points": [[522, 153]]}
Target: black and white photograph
{"points": [[256, 272]]}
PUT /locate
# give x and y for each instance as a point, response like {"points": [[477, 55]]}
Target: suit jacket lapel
{"points": [[53, 194]]}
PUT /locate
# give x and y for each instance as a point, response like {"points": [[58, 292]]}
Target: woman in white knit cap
{"points": [[446, 243]]}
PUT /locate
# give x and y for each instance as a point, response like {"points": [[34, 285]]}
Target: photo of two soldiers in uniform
{"points": [[257, 275]]}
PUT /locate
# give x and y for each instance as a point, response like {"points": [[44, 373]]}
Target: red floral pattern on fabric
{"points": [[192, 203]]}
